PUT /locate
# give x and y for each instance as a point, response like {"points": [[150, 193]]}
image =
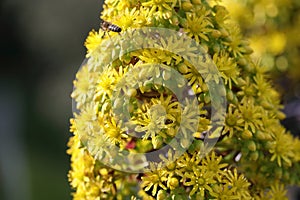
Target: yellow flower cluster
{"points": [[254, 158]]}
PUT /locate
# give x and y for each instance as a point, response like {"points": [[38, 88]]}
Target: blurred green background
{"points": [[41, 50]]}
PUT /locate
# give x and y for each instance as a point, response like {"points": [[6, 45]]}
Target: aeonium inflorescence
{"points": [[140, 91]]}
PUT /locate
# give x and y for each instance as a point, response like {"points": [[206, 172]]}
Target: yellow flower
{"points": [[200, 180], [213, 164], [156, 115], [223, 192], [160, 5], [251, 115], [282, 150], [233, 121], [154, 180], [128, 19], [198, 27], [236, 44], [92, 41], [195, 79], [115, 132], [152, 56], [84, 85], [186, 164], [239, 184], [228, 68], [277, 191]]}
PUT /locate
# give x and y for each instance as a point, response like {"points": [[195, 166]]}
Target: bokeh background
{"points": [[41, 51]]}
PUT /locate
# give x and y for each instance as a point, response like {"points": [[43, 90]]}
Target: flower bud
{"points": [[260, 135], [174, 20], [216, 48], [229, 94], [173, 183], [161, 195], [171, 132], [248, 50], [254, 155], [241, 82], [216, 33], [246, 134], [242, 61], [251, 145], [186, 6], [280, 115], [182, 68], [197, 2], [266, 105]]}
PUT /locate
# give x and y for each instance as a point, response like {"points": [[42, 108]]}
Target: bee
{"points": [[107, 26]]}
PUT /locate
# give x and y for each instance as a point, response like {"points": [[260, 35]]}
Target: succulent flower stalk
{"points": [[151, 100]]}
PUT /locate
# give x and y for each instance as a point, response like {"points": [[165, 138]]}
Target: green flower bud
{"points": [[216, 48], [182, 68], [183, 22], [241, 82], [229, 94], [161, 195], [171, 132], [249, 68], [251, 145], [205, 97], [260, 135], [254, 155], [197, 2], [268, 136], [126, 58], [204, 88], [174, 20], [186, 6], [146, 87], [216, 33], [280, 115], [266, 105], [242, 61], [246, 134], [264, 168], [144, 146], [228, 39], [247, 50]]}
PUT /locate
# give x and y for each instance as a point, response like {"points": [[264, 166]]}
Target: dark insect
{"points": [[107, 26]]}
